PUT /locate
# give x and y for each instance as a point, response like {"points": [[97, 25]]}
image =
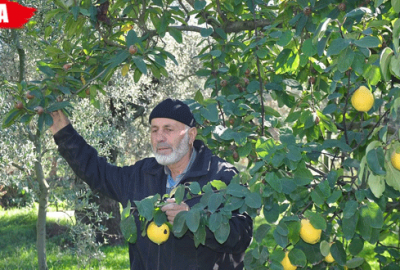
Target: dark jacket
{"points": [[146, 177]]}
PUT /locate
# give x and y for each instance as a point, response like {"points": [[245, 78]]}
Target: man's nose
{"points": [[160, 136]]}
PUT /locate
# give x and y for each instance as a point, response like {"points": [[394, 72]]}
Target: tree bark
{"points": [[43, 200]]}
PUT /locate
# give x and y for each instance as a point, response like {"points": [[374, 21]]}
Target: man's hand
{"points": [[59, 121], [172, 209]]}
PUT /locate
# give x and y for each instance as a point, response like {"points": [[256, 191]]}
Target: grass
{"points": [[18, 245]]}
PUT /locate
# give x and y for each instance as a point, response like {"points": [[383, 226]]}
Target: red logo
{"points": [[14, 15]]}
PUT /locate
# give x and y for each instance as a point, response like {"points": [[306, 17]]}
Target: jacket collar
{"points": [[200, 166]]}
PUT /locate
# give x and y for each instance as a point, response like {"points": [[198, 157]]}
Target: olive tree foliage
{"points": [[328, 162]]}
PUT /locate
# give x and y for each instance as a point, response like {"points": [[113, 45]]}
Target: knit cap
{"points": [[173, 109]]}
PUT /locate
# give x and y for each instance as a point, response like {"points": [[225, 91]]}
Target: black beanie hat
{"points": [[173, 109]]}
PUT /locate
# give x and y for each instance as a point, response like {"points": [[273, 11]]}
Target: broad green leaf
{"points": [[237, 190], [297, 257], [356, 246], [253, 200], [337, 45], [355, 262], [368, 42], [199, 4], [59, 106], [214, 202], [280, 239], [218, 184], [287, 62], [271, 214], [193, 219], [261, 232], [345, 59], [179, 227], [377, 184], [214, 221], [10, 118], [195, 188], [325, 248], [206, 32], [376, 160], [132, 38], [394, 65], [350, 209], [349, 226], [338, 252], [316, 220], [176, 34], [200, 236], [222, 233], [396, 5], [140, 64], [372, 214], [392, 174], [128, 229], [384, 63], [179, 194]]}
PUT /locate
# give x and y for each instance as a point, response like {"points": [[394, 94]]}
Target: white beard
{"points": [[177, 153]]}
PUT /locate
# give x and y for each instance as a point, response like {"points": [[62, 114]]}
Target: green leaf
{"points": [[132, 38], [297, 257], [316, 220], [377, 184], [218, 184], [280, 239], [59, 106], [350, 209], [179, 227], [384, 62], [210, 112], [287, 62], [394, 65], [355, 262], [128, 229], [199, 4], [356, 246], [338, 252], [345, 59], [325, 248], [222, 233], [193, 219], [271, 214], [117, 60], [206, 32], [337, 45], [179, 194], [372, 214], [11, 116], [176, 34], [214, 221], [376, 160], [195, 188], [253, 200], [392, 174], [237, 190], [214, 202], [396, 5], [200, 236], [140, 64], [368, 42], [261, 232]]}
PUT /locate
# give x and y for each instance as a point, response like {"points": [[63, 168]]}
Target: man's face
{"points": [[169, 139]]}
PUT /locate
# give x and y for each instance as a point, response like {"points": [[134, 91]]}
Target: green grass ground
{"points": [[18, 245]]}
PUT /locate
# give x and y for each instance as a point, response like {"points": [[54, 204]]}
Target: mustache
{"points": [[163, 145]]}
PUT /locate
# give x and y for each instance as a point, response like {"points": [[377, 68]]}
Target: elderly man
{"points": [[179, 158]]}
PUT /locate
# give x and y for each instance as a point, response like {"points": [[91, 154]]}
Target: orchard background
{"points": [[270, 83]]}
